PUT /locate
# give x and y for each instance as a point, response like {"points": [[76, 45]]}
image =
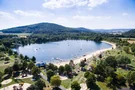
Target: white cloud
{"points": [[52, 4], [124, 14], [30, 13], [5, 15], [94, 3], [90, 17]]}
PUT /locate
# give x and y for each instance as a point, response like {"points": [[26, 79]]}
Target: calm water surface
{"points": [[61, 50]]}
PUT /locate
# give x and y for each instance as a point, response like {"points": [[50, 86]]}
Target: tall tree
{"points": [[55, 81], [35, 71], [33, 59], [61, 70], [75, 86], [40, 84], [49, 73]]}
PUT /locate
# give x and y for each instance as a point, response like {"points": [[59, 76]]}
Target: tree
{"points": [[61, 70], [98, 38], [100, 70], [90, 82], [86, 74], [120, 79], [75, 86], [133, 48], [26, 57], [109, 81], [31, 65], [8, 70], [110, 61], [10, 52], [131, 78], [33, 87], [35, 72], [55, 81], [126, 49], [49, 73], [24, 65], [7, 59], [109, 71], [40, 84], [68, 68], [16, 66], [21, 56], [52, 67], [82, 63], [123, 60], [33, 59]]}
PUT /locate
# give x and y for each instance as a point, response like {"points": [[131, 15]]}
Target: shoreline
{"points": [[88, 56]]}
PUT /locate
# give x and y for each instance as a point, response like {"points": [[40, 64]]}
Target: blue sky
{"points": [[92, 14]]}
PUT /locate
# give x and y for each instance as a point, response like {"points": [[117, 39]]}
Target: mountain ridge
{"points": [[44, 28]]}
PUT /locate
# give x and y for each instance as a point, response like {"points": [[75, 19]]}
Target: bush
{"points": [[75, 86]]}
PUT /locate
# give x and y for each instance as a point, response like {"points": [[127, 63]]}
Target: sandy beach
{"points": [[88, 56]]}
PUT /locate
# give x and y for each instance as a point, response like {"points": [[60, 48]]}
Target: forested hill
{"points": [[44, 28], [130, 33]]}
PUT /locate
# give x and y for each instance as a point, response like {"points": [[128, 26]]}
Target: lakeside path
{"points": [[88, 56]]}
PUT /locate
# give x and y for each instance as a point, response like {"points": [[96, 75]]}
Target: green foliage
{"points": [[40, 84], [90, 82], [26, 57], [21, 56], [33, 59], [109, 71], [123, 60], [55, 81], [31, 65], [100, 70], [35, 72], [49, 73], [120, 79], [8, 70], [75, 86], [52, 67], [98, 38], [110, 61], [68, 68], [130, 33], [61, 70], [126, 49], [7, 59], [24, 65], [86, 74], [109, 81], [16, 66], [131, 77], [33, 87]]}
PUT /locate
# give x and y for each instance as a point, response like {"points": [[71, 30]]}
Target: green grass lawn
{"points": [[102, 86], [14, 81], [3, 66], [79, 78]]}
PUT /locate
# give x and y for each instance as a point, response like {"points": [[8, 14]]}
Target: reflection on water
{"points": [[61, 50]]}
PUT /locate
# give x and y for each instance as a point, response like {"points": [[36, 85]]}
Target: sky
{"points": [[92, 14]]}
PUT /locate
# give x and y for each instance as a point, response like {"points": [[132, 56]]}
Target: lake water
{"points": [[61, 50]]}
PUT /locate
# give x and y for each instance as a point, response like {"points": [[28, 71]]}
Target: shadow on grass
{"points": [[95, 87], [18, 80]]}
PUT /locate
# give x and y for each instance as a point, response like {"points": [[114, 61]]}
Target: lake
{"points": [[61, 50]]}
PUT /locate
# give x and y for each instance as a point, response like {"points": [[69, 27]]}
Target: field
{"points": [[130, 40], [3, 66]]}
